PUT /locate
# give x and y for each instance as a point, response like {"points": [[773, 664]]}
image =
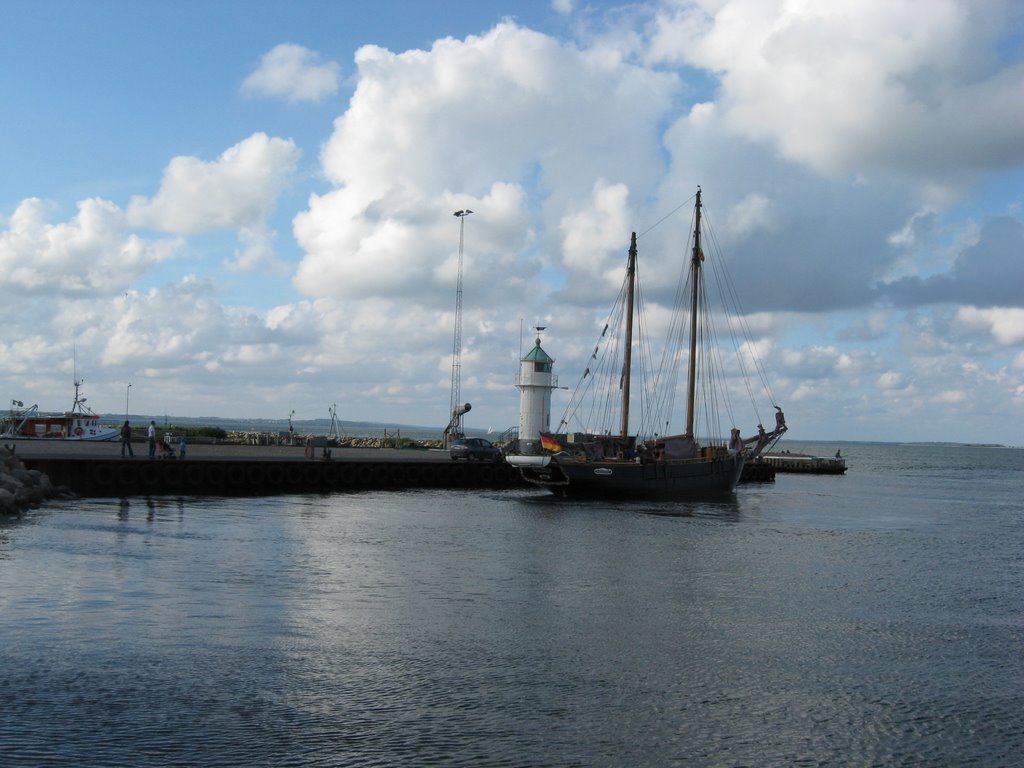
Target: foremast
{"points": [[627, 362], [695, 265]]}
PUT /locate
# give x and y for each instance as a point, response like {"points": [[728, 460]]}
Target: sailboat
{"points": [[673, 467]]}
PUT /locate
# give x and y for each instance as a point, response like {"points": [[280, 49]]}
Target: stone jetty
{"points": [[21, 488]]}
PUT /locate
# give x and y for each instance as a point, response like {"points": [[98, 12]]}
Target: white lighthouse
{"points": [[535, 384]]}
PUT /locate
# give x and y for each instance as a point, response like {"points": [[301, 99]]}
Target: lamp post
{"points": [[127, 393], [455, 425]]}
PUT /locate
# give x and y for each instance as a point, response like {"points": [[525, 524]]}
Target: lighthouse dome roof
{"points": [[538, 355]]}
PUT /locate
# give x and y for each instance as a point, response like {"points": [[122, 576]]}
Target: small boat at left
{"points": [[80, 423]]}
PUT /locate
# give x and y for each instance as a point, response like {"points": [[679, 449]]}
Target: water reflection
{"points": [[513, 628], [724, 508]]}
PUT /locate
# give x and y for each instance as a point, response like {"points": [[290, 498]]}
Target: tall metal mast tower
{"points": [[456, 409]]}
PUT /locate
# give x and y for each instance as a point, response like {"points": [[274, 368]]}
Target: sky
{"points": [[244, 209]]}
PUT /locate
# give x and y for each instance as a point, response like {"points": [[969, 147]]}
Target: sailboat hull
{"points": [[678, 481]]}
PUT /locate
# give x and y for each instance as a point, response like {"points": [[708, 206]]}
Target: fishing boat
{"points": [[610, 461], [80, 423]]}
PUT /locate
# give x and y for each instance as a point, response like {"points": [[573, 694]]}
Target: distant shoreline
{"points": [[300, 426], [415, 431]]}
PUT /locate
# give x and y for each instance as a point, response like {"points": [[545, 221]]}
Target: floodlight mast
{"points": [[455, 408]]}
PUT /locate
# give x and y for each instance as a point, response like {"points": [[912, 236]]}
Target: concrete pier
{"points": [[757, 471], [804, 464], [97, 469]]}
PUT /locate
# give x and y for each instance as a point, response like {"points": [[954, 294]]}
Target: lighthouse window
{"points": [[542, 367]]}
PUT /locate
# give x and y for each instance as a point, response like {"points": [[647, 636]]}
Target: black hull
{"points": [[672, 481]]}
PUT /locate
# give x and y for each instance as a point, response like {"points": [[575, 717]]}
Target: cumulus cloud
{"points": [[409, 247], [827, 142], [986, 273], [479, 123], [256, 252], [294, 73], [91, 254], [860, 86], [1004, 324], [494, 107], [590, 233], [237, 190], [557, 141]]}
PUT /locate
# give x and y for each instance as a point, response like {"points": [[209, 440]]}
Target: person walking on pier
{"points": [[152, 439], [126, 440]]}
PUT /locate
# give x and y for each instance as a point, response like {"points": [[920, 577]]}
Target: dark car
{"points": [[474, 448]]}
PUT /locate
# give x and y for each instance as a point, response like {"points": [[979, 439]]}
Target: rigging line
{"points": [[647, 376], [597, 395], [713, 383], [603, 408], [709, 366], [668, 215], [673, 353], [705, 381], [748, 336], [640, 359], [732, 303], [732, 319], [667, 377]]}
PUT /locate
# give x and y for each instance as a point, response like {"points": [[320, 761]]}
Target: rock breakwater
{"points": [[21, 488], [321, 441]]}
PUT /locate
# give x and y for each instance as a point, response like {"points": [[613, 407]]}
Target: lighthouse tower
{"points": [[535, 384]]}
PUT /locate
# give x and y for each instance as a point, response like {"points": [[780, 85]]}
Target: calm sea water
{"points": [[870, 619]]}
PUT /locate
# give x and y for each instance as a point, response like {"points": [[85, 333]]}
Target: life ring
{"points": [[79, 431]]}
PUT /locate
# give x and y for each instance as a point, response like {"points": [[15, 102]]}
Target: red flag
{"points": [[548, 443]]}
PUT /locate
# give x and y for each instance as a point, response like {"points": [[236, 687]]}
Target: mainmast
{"points": [[628, 357], [695, 264]]}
